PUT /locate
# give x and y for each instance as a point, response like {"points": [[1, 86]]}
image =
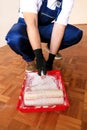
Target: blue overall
{"points": [[17, 37]]}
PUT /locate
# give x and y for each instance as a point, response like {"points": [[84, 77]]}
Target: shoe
{"points": [[58, 55], [30, 66]]}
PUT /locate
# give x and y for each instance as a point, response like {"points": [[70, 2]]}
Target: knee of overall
{"points": [[72, 35], [79, 35], [15, 35], [14, 41]]}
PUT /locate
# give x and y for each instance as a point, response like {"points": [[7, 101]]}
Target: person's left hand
{"points": [[40, 62]]}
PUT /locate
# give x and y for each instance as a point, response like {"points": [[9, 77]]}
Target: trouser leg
{"points": [[71, 37], [17, 39]]}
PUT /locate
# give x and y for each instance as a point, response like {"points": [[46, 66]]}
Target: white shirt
{"points": [[33, 6]]}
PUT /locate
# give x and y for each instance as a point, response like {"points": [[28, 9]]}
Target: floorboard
{"points": [[73, 69]]}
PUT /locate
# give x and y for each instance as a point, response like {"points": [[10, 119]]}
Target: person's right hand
{"points": [[40, 62]]}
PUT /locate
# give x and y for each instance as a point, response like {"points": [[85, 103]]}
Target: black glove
{"points": [[50, 60], [40, 61]]}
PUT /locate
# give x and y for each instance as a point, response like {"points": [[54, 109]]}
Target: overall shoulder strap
{"points": [[59, 0], [59, 3], [44, 0]]}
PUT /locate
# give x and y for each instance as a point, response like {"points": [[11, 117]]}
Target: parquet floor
{"points": [[73, 68]]}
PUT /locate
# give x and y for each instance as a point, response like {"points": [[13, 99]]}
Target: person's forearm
{"points": [[31, 20], [34, 37], [56, 38]]}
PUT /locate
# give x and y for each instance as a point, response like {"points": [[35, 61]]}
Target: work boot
{"points": [[30, 67], [58, 55]]}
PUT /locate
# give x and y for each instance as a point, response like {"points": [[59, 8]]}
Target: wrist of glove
{"points": [[40, 61], [50, 60]]}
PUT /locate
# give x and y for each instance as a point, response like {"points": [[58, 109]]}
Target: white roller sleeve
{"points": [[44, 102], [43, 94], [37, 83]]}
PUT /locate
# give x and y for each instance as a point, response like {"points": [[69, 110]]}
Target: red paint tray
{"points": [[23, 108]]}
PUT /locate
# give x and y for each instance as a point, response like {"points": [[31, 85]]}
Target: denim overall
{"points": [[17, 37]]}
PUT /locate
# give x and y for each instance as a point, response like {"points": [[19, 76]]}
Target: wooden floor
{"points": [[73, 69]]}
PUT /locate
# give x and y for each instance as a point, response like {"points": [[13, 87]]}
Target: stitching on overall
{"points": [[54, 13]]}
